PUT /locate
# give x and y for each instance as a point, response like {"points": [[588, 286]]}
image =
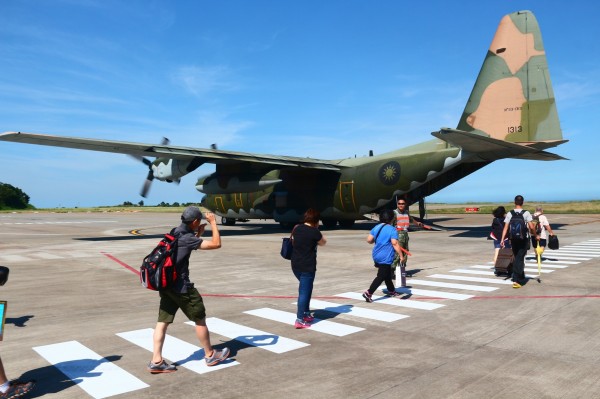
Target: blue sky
{"points": [[326, 79]]}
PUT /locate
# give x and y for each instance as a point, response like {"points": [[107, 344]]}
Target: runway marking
{"points": [[491, 273], [355, 311], [577, 253], [560, 257], [548, 260], [538, 296], [13, 258], [526, 269], [407, 303], [474, 279], [435, 294], [96, 375], [45, 255], [264, 340], [451, 285], [323, 326], [592, 249], [545, 264], [125, 265], [58, 222], [179, 352]]}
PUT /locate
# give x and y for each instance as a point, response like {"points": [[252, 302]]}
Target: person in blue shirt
{"points": [[386, 248]]}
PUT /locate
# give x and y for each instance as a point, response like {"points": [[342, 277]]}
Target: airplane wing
{"points": [[200, 155], [490, 149]]}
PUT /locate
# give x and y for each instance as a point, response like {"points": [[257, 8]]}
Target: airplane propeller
{"points": [[148, 163]]}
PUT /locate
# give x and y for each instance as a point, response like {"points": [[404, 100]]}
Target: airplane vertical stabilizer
{"points": [[512, 99]]}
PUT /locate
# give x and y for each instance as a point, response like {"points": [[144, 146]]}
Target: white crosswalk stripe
{"points": [[551, 261], [482, 267], [97, 376], [323, 326], [573, 248], [545, 264], [264, 340], [100, 378], [577, 253], [473, 279], [355, 311], [406, 303], [469, 287], [433, 294], [182, 353], [559, 257]]}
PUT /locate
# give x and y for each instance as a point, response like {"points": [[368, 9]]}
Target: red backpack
{"points": [[158, 271]]}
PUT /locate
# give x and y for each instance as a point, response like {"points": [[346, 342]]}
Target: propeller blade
{"points": [[143, 160], [147, 184]]}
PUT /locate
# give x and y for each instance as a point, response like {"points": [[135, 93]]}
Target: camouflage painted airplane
{"points": [[511, 113]]}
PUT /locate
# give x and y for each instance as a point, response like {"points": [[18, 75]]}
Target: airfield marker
{"points": [[96, 375], [182, 353], [264, 340]]}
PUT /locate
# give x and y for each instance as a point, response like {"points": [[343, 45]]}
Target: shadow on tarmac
{"points": [[51, 381], [19, 321], [250, 229]]}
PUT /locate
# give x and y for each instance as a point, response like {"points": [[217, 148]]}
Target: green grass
{"points": [[590, 207]]}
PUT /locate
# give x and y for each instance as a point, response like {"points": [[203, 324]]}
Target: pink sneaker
{"points": [[308, 318], [301, 324]]}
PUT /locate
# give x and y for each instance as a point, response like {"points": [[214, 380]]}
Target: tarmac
{"points": [[79, 322]]}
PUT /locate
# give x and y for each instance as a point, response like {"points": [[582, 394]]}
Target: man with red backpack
{"points": [[183, 295]]}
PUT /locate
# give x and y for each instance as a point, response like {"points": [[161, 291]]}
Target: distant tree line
{"points": [[13, 198], [162, 204]]}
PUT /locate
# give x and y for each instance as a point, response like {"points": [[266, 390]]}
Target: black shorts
{"points": [[190, 303]]}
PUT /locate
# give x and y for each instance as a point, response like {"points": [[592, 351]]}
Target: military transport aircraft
{"points": [[511, 113]]}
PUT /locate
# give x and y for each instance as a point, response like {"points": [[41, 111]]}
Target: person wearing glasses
{"points": [[403, 221]]}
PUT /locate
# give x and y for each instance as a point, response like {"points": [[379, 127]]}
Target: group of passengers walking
{"points": [[537, 227], [390, 239], [390, 248]]}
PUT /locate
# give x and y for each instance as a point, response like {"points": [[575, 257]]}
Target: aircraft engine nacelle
{"points": [[225, 184], [172, 170]]}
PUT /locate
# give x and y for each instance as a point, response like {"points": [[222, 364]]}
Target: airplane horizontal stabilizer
{"points": [[490, 149]]}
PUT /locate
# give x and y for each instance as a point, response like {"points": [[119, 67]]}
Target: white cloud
{"points": [[201, 81]]}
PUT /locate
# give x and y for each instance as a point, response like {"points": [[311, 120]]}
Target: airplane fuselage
{"points": [[362, 186]]}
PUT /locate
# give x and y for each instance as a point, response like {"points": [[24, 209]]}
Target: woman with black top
{"points": [[497, 227], [305, 238]]}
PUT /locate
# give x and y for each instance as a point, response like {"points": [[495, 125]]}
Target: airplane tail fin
{"points": [[512, 100]]}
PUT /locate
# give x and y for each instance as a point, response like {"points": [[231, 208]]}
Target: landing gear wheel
{"points": [[346, 224], [227, 221], [329, 223]]}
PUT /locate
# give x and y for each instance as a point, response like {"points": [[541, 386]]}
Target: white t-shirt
{"points": [[543, 220], [526, 215]]}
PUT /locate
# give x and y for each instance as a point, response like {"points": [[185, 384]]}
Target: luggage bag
{"points": [[504, 262]]}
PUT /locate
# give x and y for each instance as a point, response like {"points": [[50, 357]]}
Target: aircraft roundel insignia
{"points": [[389, 173]]}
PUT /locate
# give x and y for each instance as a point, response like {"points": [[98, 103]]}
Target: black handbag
{"points": [[553, 242], [287, 247]]}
